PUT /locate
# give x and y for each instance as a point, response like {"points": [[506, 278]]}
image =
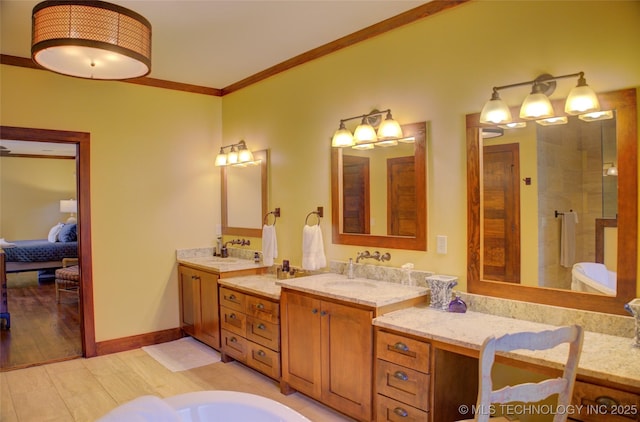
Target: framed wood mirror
{"points": [[389, 207], [244, 197], [623, 103]]}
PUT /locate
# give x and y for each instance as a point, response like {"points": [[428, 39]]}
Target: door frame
{"points": [[82, 142]]}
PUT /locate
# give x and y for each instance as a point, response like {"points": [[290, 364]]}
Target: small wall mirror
{"points": [[378, 195], [244, 196], [522, 183]]}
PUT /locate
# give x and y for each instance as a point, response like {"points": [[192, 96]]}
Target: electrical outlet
{"points": [[441, 244]]}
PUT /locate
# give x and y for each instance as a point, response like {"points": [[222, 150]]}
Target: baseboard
{"points": [[135, 342]]}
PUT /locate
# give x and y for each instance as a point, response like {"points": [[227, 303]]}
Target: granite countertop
{"points": [[219, 265], [362, 291], [263, 285], [605, 357]]}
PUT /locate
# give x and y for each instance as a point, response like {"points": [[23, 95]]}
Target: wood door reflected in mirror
{"points": [[379, 195], [244, 197], [545, 184]]}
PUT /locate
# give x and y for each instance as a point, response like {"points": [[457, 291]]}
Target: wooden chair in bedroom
{"points": [[68, 278], [529, 392]]}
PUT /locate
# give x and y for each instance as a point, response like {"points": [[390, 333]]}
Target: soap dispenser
{"points": [[350, 269]]}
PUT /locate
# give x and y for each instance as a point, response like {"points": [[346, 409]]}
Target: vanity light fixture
{"points": [[90, 39], [365, 136], [581, 99], [238, 154], [552, 121], [610, 169], [596, 115]]}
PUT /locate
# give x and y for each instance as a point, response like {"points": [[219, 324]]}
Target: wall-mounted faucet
{"points": [[376, 255], [241, 242]]}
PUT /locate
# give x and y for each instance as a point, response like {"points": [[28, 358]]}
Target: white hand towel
{"points": [[269, 244], [312, 248], [568, 239]]}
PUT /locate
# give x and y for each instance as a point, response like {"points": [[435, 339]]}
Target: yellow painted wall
{"points": [[30, 194], [154, 188], [438, 69]]}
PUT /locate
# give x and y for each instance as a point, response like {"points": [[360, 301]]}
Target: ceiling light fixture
{"points": [[238, 154], [90, 39], [365, 136], [582, 99]]}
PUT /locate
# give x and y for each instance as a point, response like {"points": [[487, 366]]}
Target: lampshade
{"points": [[536, 105], [581, 99], [342, 137], [389, 129], [69, 206], [364, 133], [612, 171], [91, 39], [495, 111], [232, 157], [244, 155], [221, 158]]}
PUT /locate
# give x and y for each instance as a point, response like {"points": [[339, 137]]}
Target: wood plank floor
{"points": [[86, 389], [42, 330]]}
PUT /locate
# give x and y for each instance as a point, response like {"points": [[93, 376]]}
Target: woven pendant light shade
{"points": [[91, 39]]}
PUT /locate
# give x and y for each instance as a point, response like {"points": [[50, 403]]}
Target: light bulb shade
{"points": [[91, 39], [232, 157], [244, 155], [342, 138], [495, 111], [389, 129], [221, 159], [581, 99], [364, 133], [612, 171], [68, 206], [536, 106]]}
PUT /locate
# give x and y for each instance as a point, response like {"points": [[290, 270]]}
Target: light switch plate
{"points": [[441, 244]]}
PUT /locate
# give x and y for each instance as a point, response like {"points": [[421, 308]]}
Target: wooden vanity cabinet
{"points": [[595, 403], [199, 311], [250, 330], [327, 352]]}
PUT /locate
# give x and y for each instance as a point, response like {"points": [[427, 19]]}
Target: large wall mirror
{"points": [[378, 195], [244, 196], [552, 210]]}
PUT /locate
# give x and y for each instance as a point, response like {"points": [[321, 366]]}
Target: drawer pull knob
{"points": [[323, 313], [400, 412], [261, 327], [607, 401], [233, 340], [232, 316], [260, 306], [314, 311], [401, 346], [401, 376], [232, 297], [261, 353]]}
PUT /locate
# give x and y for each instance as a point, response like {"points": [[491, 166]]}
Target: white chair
{"points": [[528, 392]]}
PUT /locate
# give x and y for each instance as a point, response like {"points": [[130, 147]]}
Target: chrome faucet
{"points": [[362, 255], [385, 257], [376, 255]]}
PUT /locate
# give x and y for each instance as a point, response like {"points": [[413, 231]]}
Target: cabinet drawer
{"points": [[389, 410], [263, 309], [403, 351], [233, 321], [263, 332], [597, 403], [232, 299], [264, 360], [233, 345], [403, 384]]}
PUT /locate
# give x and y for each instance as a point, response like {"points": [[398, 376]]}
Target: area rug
{"points": [[180, 355], [20, 280]]}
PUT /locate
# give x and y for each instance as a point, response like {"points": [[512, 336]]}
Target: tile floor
{"points": [[85, 389]]}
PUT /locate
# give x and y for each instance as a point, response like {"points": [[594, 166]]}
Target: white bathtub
{"points": [[594, 278], [201, 406]]}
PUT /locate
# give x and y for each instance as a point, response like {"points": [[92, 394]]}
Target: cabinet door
{"points": [[189, 300], [301, 343], [210, 327], [347, 359]]}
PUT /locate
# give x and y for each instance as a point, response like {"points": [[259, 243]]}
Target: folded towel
{"points": [[568, 239], [6, 245], [312, 248], [269, 244]]}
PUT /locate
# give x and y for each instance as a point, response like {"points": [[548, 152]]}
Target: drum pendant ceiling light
{"points": [[91, 39]]}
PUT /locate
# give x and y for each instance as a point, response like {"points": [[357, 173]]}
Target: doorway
{"points": [[82, 143]]}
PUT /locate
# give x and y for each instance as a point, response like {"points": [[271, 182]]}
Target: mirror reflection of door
{"points": [[401, 191], [501, 211], [356, 192]]}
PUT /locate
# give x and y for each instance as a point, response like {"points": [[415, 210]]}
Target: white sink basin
{"points": [[350, 285]]}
